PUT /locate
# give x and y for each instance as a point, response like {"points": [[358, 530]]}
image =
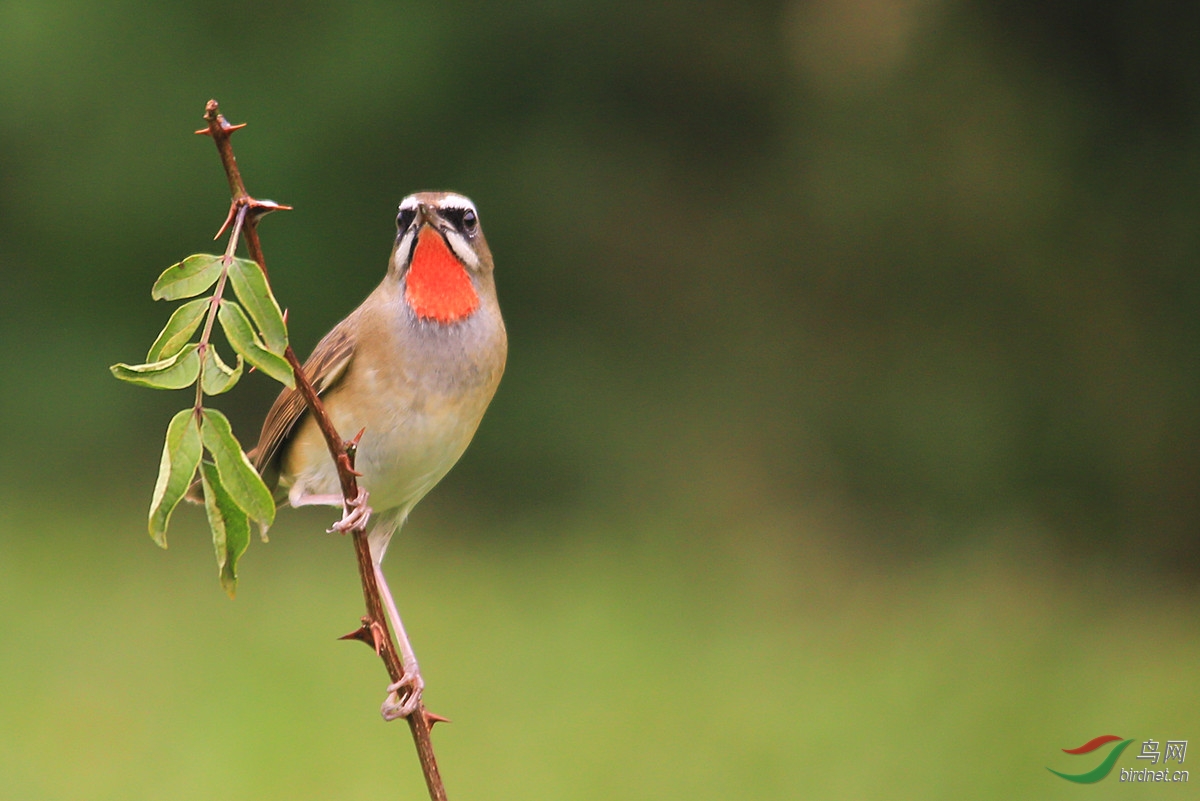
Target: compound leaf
{"points": [[178, 330], [250, 286], [177, 372], [238, 476], [230, 526], [243, 339], [216, 376], [188, 278], [180, 456]]}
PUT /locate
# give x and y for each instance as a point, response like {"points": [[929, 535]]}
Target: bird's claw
{"points": [[354, 515], [395, 706]]}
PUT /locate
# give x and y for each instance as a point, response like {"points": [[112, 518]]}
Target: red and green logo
{"points": [[1104, 768]]}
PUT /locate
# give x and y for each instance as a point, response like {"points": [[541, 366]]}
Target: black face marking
{"points": [[454, 217], [463, 220], [405, 219]]}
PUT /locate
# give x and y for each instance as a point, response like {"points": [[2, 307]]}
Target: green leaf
{"points": [[243, 339], [238, 476], [230, 526], [179, 330], [177, 372], [180, 456], [216, 376], [188, 278], [250, 286]]}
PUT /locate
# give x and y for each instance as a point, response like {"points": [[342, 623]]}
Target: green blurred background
{"points": [[849, 445]]}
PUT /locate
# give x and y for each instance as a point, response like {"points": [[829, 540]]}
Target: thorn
{"points": [[344, 461], [285, 313], [362, 634], [228, 220], [431, 718], [350, 446], [261, 207], [349, 451], [224, 125], [256, 209]]}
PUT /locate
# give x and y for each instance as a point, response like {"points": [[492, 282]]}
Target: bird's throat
{"points": [[438, 287]]}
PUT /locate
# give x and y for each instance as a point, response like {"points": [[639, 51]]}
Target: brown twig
{"points": [[374, 630]]}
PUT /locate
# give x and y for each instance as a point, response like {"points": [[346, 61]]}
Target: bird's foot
{"points": [[395, 706], [354, 514]]}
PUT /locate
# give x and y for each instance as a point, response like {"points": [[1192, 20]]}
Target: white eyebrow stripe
{"points": [[409, 202], [458, 202]]}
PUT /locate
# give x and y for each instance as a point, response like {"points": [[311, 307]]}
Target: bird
{"points": [[413, 368]]}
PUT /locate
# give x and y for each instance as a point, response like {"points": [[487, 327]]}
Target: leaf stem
{"points": [[215, 303]]}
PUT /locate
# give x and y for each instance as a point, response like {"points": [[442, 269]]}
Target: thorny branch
{"points": [[374, 630]]}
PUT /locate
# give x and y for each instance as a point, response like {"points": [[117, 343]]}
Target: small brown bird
{"points": [[414, 367]]}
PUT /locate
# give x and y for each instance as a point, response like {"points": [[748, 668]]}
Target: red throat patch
{"points": [[438, 287]]}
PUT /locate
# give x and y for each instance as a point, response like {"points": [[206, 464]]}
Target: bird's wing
{"points": [[324, 368]]}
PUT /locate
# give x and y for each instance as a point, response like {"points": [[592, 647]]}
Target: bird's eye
{"points": [[470, 221], [405, 218]]}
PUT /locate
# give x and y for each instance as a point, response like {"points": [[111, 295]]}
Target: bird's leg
{"points": [[397, 705], [354, 514]]}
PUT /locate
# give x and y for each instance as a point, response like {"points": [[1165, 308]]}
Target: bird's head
{"points": [[441, 256]]}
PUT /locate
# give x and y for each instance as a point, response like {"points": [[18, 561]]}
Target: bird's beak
{"points": [[426, 215]]}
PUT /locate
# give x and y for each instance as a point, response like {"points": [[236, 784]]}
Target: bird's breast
{"points": [[414, 433], [418, 390]]}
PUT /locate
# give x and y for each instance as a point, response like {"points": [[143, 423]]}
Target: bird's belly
{"points": [[402, 462], [410, 441]]}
